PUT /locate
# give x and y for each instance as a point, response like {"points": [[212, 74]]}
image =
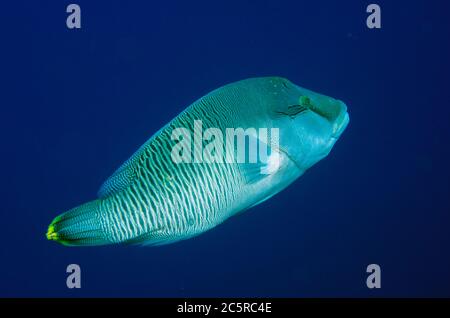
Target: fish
{"points": [[156, 198]]}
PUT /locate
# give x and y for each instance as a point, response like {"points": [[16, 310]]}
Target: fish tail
{"points": [[79, 226]]}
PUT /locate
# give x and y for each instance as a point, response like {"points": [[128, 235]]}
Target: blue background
{"points": [[76, 103]]}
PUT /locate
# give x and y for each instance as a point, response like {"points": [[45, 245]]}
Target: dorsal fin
{"points": [[120, 180], [123, 177]]}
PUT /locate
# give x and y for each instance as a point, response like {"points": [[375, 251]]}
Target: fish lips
{"points": [[340, 124]]}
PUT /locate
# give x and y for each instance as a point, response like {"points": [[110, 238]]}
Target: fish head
{"points": [[309, 124]]}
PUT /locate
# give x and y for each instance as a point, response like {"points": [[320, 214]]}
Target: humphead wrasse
{"points": [[153, 199]]}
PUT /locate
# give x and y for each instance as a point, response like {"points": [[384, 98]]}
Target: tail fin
{"points": [[78, 227]]}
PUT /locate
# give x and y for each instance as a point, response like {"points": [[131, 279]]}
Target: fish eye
{"points": [[305, 100], [292, 111]]}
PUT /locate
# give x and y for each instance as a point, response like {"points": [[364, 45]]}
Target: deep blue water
{"points": [[76, 103]]}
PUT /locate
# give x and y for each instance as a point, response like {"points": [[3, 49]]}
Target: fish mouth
{"points": [[340, 124], [341, 121], [332, 110]]}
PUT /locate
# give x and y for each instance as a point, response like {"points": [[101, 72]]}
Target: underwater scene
{"points": [[225, 149]]}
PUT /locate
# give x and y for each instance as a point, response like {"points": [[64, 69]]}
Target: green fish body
{"points": [[152, 199]]}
